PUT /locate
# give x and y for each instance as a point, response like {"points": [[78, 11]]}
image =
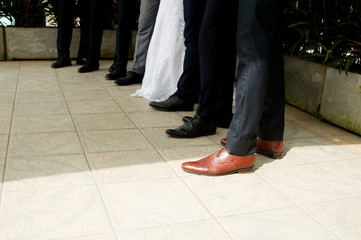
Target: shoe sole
{"points": [[242, 170], [270, 154]]}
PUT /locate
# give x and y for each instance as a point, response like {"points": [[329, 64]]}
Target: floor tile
{"points": [[160, 139], [2, 165], [130, 104], [156, 119], [6, 109], [7, 96], [319, 127], [235, 194], [40, 108], [38, 124], [347, 170], [293, 113], [5, 125], [52, 213], [40, 96], [3, 145], [44, 144], [36, 84], [46, 172], [294, 131], [319, 149], [114, 140], [151, 203], [84, 94], [104, 121], [176, 156], [343, 216], [113, 167], [100, 236], [94, 107], [199, 230], [349, 141], [280, 224], [306, 183]]}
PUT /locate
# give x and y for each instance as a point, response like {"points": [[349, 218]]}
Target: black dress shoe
{"points": [[81, 61], [61, 63], [196, 127], [111, 68], [130, 78], [223, 122], [173, 103], [88, 68], [117, 73]]}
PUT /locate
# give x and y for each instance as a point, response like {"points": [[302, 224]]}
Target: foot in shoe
{"points": [[81, 61], [88, 68], [222, 122], [61, 63], [173, 103], [130, 78], [271, 149], [116, 73], [220, 163], [196, 127]]}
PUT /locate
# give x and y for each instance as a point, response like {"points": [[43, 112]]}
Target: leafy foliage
{"points": [[324, 31]]}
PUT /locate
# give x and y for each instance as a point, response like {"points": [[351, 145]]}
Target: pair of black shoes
{"points": [[130, 78], [115, 72], [195, 127]]}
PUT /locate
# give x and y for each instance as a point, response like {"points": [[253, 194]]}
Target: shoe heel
{"points": [[271, 155], [246, 170]]}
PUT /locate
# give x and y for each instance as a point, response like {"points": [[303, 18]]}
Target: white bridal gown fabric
{"points": [[166, 51]]}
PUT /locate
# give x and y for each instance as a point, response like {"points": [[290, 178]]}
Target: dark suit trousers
{"points": [[217, 51], [66, 10], [188, 86], [260, 82], [124, 30], [91, 26]]}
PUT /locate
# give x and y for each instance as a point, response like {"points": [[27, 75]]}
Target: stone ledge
{"points": [[2, 44]]}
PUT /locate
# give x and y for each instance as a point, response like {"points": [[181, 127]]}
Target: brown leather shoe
{"points": [[271, 149], [220, 163]]}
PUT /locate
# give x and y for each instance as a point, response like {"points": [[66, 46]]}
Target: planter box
{"points": [[324, 92], [304, 83], [341, 100], [40, 43], [2, 44]]}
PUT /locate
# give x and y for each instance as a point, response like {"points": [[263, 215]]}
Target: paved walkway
{"points": [[80, 159]]}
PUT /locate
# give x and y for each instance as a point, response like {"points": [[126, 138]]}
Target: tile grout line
{"points": [[9, 137], [86, 158]]}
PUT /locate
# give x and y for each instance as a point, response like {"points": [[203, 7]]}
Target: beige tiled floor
{"points": [[80, 159]]}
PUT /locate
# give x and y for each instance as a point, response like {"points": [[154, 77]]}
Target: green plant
{"points": [[328, 32], [25, 13]]}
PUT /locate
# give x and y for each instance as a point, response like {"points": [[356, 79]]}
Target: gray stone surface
{"points": [[304, 82], [40, 43], [2, 43], [341, 99]]}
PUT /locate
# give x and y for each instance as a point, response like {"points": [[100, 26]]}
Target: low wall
{"points": [[2, 44], [40, 43]]}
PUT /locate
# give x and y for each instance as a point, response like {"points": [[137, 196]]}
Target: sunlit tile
{"points": [[306, 183], [52, 213], [150, 203], [280, 224], [342, 216], [199, 230], [236, 193]]}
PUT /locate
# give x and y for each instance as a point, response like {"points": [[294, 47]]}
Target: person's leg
{"points": [[147, 17], [217, 59], [260, 89], [123, 37], [65, 31], [84, 9], [188, 86]]}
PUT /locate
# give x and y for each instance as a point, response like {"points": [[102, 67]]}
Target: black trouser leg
{"points": [[66, 10], [217, 58], [188, 86]]}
